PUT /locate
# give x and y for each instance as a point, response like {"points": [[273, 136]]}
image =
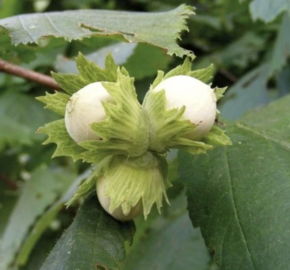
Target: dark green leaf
{"points": [[47, 218], [168, 241], [239, 195], [38, 193], [160, 29], [13, 133], [26, 112], [94, 241]]}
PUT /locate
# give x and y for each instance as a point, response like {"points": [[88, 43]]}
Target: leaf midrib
{"points": [[236, 210]]}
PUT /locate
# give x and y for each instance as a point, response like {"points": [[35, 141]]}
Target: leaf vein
{"points": [[236, 211], [25, 29], [52, 24], [247, 128]]}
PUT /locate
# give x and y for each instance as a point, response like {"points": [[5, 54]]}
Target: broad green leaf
{"points": [[146, 60], [94, 241], [281, 49], [168, 241], [268, 10], [46, 219], [174, 245], [161, 29], [239, 195], [24, 111], [13, 133], [8, 199], [39, 192], [249, 92]]}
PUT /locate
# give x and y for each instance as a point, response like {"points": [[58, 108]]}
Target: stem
{"points": [[9, 183], [28, 74], [228, 75]]}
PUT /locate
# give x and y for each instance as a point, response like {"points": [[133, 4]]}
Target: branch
{"points": [[28, 74], [228, 75]]}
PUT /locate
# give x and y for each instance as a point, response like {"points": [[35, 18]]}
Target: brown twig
{"points": [[28, 74], [9, 183], [228, 75]]}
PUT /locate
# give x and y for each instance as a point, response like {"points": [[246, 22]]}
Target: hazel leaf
{"points": [[94, 240], [161, 29]]}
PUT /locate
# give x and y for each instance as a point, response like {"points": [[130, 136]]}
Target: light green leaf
{"points": [[39, 192], [57, 134], [239, 195], [268, 10], [102, 236], [161, 29]]}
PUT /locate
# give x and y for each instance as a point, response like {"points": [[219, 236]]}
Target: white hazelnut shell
{"points": [[198, 98], [84, 108], [118, 212]]}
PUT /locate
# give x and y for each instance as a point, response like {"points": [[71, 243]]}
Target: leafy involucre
{"points": [[159, 28], [239, 195], [125, 130], [57, 134], [167, 126], [129, 181], [89, 72], [95, 240], [55, 102]]}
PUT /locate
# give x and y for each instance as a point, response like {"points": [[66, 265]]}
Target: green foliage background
{"points": [[237, 197]]}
